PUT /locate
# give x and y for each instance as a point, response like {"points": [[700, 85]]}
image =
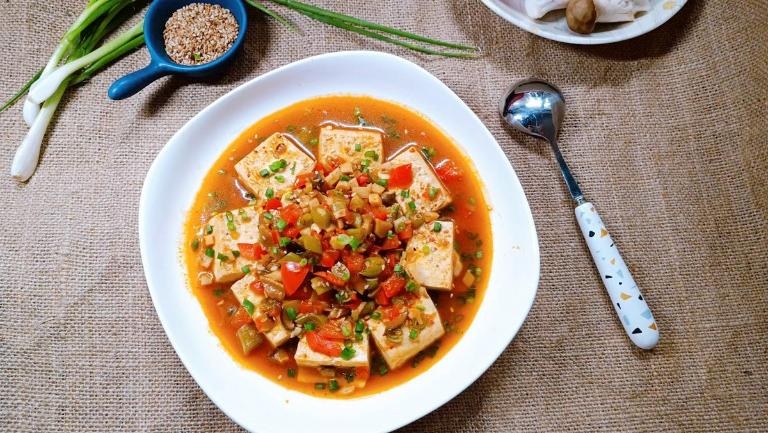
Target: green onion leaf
{"points": [[269, 193], [249, 307], [291, 313], [437, 227], [209, 252], [264, 173], [348, 353]]}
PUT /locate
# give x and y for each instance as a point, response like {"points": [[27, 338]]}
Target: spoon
{"points": [[537, 108]]}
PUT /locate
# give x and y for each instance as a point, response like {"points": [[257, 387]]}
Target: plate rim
{"points": [[531, 26], [163, 154]]}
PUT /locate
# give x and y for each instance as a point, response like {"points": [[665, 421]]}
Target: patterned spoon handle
{"points": [[629, 303]]}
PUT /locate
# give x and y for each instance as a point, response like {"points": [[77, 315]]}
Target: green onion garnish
{"points": [[269, 193], [249, 307], [195, 243], [246, 269], [264, 172], [437, 227], [209, 252], [348, 353], [320, 386], [280, 178], [208, 230], [291, 313], [358, 147], [281, 224], [284, 241], [309, 326], [372, 155], [222, 257], [333, 385], [382, 182], [413, 334], [291, 372]]}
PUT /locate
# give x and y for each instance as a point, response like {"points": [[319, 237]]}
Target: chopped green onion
{"points": [[437, 227], [280, 178], [411, 286], [433, 192], [236, 253], [195, 243], [268, 216], [269, 193], [383, 369], [219, 292], [284, 241], [359, 326], [275, 250], [413, 334], [376, 315], [405, 193], [309, 326], [372, 155], [479, 254], [313, 141], [278, 165], [348, 353], [222, 257], [246, 269], [382, 182], [209, 252], [365, 163], [208, 230], [291, 372], [412, 205], [429, 152], [281, 224], [345, 178], [249, 307], [319, 386], [291, 313], [264, 173], [231, 226], [333, 385], [354, 243], [358, 147]]}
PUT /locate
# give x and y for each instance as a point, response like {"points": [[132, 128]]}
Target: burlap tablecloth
{"points": [[665, 132]]}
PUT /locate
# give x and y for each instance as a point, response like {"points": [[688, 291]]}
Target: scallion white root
{"points": [[28, 154]]}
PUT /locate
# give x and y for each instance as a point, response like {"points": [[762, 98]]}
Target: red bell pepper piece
{"points": [[322, 345], [293, 275], [400, 176]]}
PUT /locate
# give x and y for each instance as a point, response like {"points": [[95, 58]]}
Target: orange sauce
{"points": [[220, 191]]}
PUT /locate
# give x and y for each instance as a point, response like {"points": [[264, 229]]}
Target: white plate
{"points": [[553, 25], [253, 401]]}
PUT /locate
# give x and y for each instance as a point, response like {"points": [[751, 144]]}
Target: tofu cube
{"points": [[396, 354], [338, 146], [428, 257], [427, 192], [306, 357], [242, 291], [245, 221], [250, 170]]}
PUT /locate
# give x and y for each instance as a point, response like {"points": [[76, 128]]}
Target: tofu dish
{"points": [[340, 246]]}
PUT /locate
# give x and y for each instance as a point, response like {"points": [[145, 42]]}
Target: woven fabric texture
{"points": [[666, 133]]}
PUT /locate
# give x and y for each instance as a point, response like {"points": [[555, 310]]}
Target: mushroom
{"points": [[581, 16]]}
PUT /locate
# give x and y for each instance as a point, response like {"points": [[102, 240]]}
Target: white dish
{"points": [[553, 25], [253, 401]]}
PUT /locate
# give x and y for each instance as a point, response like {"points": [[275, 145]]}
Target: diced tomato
{"points": [[355, 262], [391, 243], [273, 203], [393, 285], [291, 213], [401, 176], [381, 298], [322, 345], [391, 313], [275, 237], [240, 318], [362, 373], [302, 180], [307, 306], [331, 330], [407, 233], [251, 251], [329, 258], [380, 213], [391, 260], [292, 232], [257, 287], [333, 279], [293, 275], [261, 324], [363, 179], [319, 167], [448, 171]]}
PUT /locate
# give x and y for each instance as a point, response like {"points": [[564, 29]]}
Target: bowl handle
{"points": [[132, 83]]}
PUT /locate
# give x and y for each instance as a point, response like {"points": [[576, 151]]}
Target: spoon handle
{"points": [[629, 303]]}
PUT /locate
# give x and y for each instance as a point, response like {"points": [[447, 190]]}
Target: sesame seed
{"points": [[199, 33]]}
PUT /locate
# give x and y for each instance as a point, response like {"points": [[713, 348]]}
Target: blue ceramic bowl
{"points": [[160, 64]]}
